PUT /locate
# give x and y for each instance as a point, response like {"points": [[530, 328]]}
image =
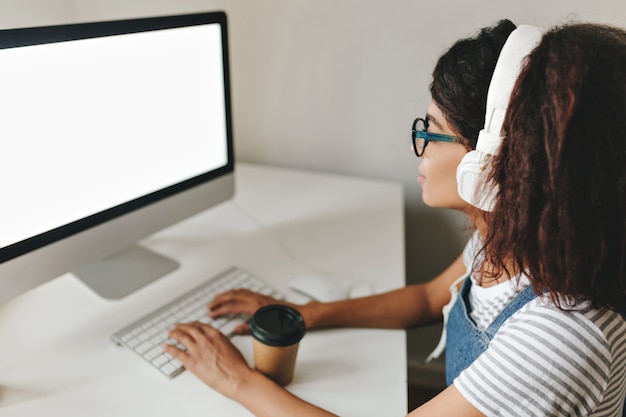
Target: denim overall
{"points": [[464, 341]]}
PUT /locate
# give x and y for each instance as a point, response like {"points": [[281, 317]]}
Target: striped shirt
{"points": [[488, 302], [545, 361]]}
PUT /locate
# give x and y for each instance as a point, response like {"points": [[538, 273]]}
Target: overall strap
{"points": [[466, 341], [520, 300]]}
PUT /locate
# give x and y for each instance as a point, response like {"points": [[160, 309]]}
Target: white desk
{"points": [[56, 358]]}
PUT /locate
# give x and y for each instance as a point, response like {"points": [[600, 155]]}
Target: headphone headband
{"points": [[475, 165]]}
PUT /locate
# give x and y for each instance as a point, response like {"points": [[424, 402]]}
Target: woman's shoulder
{"points": [[601, 330], [579, 317], [563, 350]]}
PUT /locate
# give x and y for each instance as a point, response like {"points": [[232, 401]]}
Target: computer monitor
{"points": [[110, 131]]}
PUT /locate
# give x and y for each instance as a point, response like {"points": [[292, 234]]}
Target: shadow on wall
{"points": [[434, 238]]}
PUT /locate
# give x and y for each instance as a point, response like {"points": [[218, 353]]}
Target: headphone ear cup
{"points": [[467, 175], [470, 175]]}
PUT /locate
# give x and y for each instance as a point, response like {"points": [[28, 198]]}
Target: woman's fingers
{"points": [[209, 355], [237, 302]]}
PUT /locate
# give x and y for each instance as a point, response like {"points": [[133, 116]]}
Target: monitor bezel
{"points": [[21, 37]]}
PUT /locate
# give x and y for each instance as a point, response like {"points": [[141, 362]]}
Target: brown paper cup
{"points": [[277, 363], [276, 331]]}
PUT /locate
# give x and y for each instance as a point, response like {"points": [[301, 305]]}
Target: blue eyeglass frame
{"points": [[429, 136]]}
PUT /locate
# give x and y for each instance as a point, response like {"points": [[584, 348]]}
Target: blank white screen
{"points": [[90, 124]]}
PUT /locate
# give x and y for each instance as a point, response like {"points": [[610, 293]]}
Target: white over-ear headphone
{"points": [[472, 170]]}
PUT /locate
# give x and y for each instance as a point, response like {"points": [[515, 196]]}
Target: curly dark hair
{"points": [[561, 210], [461, 79]]}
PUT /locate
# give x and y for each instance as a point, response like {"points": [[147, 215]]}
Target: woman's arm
{"points": [[399, 309], [449, 402], [266, 399], [213, 359]]}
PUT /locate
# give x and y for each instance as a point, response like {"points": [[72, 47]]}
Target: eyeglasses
{"points": [[421, 136]]}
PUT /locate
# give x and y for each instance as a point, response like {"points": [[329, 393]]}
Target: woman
{"points": [[459, 92]]}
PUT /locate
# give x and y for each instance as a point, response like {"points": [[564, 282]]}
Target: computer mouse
{"points": [[318, 287]]}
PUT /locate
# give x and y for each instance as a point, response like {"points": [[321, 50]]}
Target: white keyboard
{"points": [[147, 335]]}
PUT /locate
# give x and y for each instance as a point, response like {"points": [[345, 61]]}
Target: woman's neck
{"points": [[488, 274]]}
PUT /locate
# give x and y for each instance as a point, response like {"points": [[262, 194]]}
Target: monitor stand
{"points": [[125, 272]]}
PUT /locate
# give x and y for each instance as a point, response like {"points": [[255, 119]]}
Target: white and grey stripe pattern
{"points": [[549, 362], [485, 309]]}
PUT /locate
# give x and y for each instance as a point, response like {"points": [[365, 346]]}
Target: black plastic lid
{"points": [[277, 325]]}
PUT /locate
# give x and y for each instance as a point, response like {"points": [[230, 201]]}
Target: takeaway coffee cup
{"points": [[276, 333]]}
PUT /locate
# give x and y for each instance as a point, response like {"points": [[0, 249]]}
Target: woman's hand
{"points": [[215, 361], [241, 302], [210, 356]]}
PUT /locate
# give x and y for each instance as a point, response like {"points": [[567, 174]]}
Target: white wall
{"points": [[333, 85]]}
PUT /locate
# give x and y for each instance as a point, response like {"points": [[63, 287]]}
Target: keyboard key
{"points": [[159, 360], [169, 369]]}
